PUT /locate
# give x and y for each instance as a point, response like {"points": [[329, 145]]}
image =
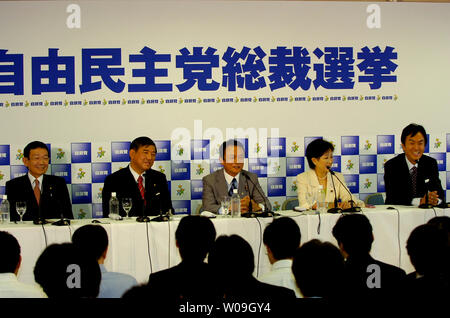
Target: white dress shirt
{"points": [[281, 275], [137, 175], [10, 287], [229, 179], [33, 179]]}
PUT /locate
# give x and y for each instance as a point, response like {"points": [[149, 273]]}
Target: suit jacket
{"points": [[215, 188], [357, 276], [397, 179], [308, 185], [55, 199], [123, 183], [191, 280]]}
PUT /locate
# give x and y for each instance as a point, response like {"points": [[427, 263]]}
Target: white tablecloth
{"points": [[141, 248]]}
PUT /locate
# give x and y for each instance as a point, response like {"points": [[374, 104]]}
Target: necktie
{"points": [[414, 181], [141, 188], [37, 191], [233, 186]]}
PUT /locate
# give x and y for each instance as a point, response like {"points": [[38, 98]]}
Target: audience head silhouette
{"points": [[353, 233], [11, 259], [318, 268], [195, 236], [91, 239], [65, 271], [282, 238]]}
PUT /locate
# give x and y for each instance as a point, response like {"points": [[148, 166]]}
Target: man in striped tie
{"points": [[46, 196], [221, 183], [147, 188], [405, 175]]}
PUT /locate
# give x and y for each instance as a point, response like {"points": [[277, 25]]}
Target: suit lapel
{"points": [[222, 186]]}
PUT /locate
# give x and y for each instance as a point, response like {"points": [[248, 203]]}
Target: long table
{"points": [[142, 248]]}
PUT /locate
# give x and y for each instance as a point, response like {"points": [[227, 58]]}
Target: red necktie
{"points": [[141, 188], [37, 191]]}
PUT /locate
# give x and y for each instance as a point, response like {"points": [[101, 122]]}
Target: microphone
{"points": [[336, 209], [426, 205], [352, 207], [161, 217], [62, 221], [266, 212]]}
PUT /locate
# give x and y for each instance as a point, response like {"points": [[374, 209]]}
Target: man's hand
{"points": [[244, 204], [245, 201], [344, 205], [433, 198]]}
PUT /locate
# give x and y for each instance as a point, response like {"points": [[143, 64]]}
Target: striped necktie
{"points": [[37, 191], [233, 186], [142, 189]]}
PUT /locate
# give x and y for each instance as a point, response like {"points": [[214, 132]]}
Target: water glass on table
{"points": [[226, 206], [127, 204], [21, 208]]}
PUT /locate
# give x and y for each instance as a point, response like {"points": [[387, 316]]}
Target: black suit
{"points": [[397, 179], [54, 200], [357, 275], [191, 280], [123, 183]]}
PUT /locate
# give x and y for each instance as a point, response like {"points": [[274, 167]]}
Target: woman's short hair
{"points": [[316, 149]]}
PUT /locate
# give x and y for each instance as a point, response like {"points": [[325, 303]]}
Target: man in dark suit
{"points": [[46, 196], [221, 183], [146, 187], [364, 275], [405, 175], [233, 263], [192, 278]]}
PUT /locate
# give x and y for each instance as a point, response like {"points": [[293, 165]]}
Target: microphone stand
{"points": [[161, 217], [143, 218], [250, 213], [336, 209], [352, 207], [266, 213], [426, 205]]}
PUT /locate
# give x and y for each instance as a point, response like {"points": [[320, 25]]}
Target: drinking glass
{"points": [[226, 205], [21, 207], [127, 204]]}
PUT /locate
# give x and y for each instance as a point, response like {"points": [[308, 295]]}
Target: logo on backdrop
{"points": [[119, 151], [258, 166], [276, 187], [350, 145], [81, 152]]}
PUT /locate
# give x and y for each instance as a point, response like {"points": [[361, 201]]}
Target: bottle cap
{"points": [[5, 197], [113, 194], [235, 191]]}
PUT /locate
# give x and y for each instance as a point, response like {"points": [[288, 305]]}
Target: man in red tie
{"points": [[46, 196], [147, 188]]}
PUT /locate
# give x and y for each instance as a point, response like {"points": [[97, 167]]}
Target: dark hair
{"points": [[59, 264], [140, 142], [412, 130], [91, 239], [316, 149], [232, 258], [282, 236], [10, 252], [34, 145], [428, 250], [231, 142], [318, 269], [195, 236], [354, 231]]}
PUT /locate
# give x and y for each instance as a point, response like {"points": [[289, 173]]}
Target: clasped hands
{"points": [[245, 205], [433, 198]]}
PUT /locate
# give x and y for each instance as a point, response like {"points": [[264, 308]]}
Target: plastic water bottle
{"points": [[235, 204], [321, 196], [4, 210], [114, 207]]}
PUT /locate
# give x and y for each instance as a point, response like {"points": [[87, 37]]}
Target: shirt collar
{"points": [[135, 174], [229, 178], [41, 177], [410, 165]]}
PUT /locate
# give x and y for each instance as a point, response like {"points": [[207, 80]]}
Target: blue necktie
{"points": [[233, 186]]}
